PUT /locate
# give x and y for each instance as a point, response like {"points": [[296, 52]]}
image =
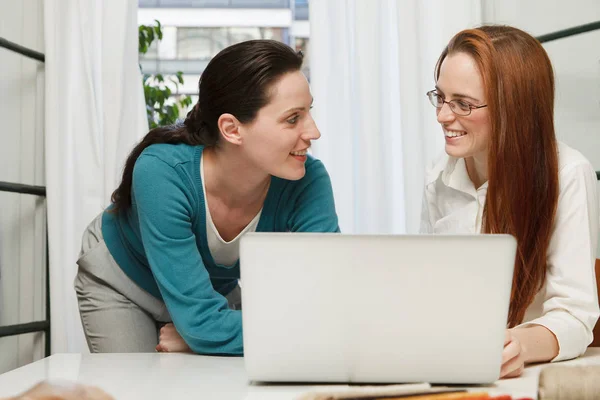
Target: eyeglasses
{"points": [[458, 107]]}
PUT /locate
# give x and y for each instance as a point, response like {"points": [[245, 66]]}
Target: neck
{"points": [[477, 170], [232, 178]]}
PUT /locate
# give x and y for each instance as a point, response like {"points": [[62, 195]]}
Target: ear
{"points": [[229, 127]]}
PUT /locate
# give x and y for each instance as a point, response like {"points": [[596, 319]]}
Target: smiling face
{"points": [[466, 136], [277, 139]]}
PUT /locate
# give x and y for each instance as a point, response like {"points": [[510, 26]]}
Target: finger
{"points": [[516, 373], [511, 367], [507, 337], [168, 332], [511, 351], [163, 348]]}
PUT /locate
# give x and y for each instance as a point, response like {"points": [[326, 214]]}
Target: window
{"points": [[303, 44], [200, 43], [204, 43]]}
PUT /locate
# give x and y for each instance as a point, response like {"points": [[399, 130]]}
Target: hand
{"points": [[513, 361], [170, 341], [65, 391]]}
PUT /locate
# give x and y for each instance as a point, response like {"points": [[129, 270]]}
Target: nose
{"points": [[445, 114], [310, 132]]}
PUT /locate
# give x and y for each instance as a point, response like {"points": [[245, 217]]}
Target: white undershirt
{"points": [[224, 253]]}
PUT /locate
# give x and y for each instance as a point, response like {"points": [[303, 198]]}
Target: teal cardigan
{"points": [[160, 241]]}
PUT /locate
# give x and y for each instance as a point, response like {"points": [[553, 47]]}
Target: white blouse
{"points": [[567, 304]]}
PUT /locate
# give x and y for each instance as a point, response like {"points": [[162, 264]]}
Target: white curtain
{"points": [[94, 115], [371, 63]]}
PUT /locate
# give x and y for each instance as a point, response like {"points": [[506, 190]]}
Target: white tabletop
{"points": [[171, 376]]}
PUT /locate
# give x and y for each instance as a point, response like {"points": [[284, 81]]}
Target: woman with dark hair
{"points": [[167, 247], [505, 172]]}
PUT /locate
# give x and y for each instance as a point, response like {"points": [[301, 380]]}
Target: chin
{"points": [[291, 175], [456, 152]]}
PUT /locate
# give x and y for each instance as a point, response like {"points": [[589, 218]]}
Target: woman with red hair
{"points": [[505, 172]]}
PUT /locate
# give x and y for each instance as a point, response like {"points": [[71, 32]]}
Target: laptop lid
{"points": [[375, 308]]}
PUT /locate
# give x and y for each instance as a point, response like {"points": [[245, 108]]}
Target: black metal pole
{"points": [[569, 32], [19, 329], [36, 55], [23, 189], [37, 326], [47, 333]]}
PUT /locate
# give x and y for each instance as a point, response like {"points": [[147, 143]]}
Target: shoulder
{"points": [[170, 154], [575, 172], [570, 159], [314, 169], [165, 167]]}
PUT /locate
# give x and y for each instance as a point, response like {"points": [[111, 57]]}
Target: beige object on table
{"points": [[569, 383]]}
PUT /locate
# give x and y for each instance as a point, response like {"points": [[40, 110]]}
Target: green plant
{"points": [[162, 107]]}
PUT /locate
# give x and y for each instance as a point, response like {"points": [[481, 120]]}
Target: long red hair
{"points": [[523, 183]]}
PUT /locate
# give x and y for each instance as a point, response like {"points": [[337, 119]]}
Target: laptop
{"points": [[321, 307]]}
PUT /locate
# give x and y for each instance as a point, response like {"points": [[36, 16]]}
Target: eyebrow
{"points": [[299, 108], [463, 96]]}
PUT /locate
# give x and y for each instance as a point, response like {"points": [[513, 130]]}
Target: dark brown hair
{"points": [[236, 81]]}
